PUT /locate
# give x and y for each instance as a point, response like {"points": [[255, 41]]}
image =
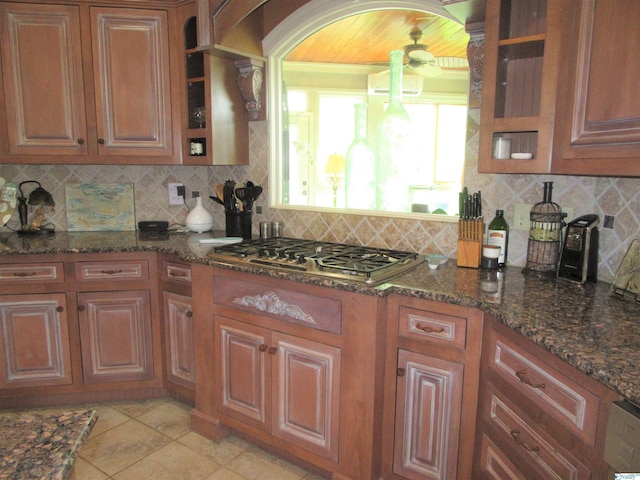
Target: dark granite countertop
{"points": [[42, 445], [587, 326]]}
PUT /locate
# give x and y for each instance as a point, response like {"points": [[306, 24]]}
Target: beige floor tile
{"points": [[122, 446], [137, 408], [221, 452], [224, 474], [252, 465], [170, 418], [85, 471], [171, 462], [108, 418]]}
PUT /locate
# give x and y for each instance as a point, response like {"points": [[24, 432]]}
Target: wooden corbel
{"points": [[251, 82]]}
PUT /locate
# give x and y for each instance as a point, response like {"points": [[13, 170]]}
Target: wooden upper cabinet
{"points": [[43, 81], [599, 106], [131, 75], [91, 84], [522, 57]]}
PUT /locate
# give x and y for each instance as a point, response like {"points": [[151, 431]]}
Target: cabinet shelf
{"points": [[523, 40]]}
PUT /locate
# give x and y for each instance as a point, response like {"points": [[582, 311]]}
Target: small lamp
{"points": [[334, 169], [39, 198]]}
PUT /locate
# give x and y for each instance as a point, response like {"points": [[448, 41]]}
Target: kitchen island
{"points": [[586, 326], [42, 446]]}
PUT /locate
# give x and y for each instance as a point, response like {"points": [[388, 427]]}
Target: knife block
{"points": [[470, 234]]}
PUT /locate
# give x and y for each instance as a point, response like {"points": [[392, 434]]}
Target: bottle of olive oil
{"points": [[498, 235]]}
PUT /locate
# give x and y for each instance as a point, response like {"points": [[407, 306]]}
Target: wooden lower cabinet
{"points": [[538, 417], [180, 376], [34, 346], [295, 367], [429, 403], [116, 338], [282, 384], [179, 339], [431, 386]]}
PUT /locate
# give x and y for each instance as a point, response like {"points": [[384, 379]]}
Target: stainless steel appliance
{"points": [[579, 258], [368, 265]]}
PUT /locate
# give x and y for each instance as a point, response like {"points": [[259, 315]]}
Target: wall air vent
{"points": [[378, 84]]}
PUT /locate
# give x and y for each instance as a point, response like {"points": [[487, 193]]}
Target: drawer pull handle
{"points": [[263, 348], [189, 314], [273, 350], [24, 274], [401, 372], [59, 309], [522, 376], [111, 272], [521, 443], [177, 275], [429, 328], [81, 308]]}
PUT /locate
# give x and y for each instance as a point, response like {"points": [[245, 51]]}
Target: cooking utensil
{"points": [[216, 199]]}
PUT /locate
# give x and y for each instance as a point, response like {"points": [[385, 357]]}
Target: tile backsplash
{"points": [[618, 197]]}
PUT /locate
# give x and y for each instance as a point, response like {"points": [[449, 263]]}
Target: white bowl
{"points": [[522, 156], [435, 260]]}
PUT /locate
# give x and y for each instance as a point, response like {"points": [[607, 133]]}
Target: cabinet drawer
{"points": [[176, 272], [562, 398], [550, 460], [32, 272], [291, 306], [110, 270], [426, 325], [495, 463]]}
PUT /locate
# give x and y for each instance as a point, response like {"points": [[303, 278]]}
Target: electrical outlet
{"points": [[174, 197], [521, 213]]}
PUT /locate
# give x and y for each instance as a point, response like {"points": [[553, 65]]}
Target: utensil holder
{"points": [[238, 224], [470, 234]]}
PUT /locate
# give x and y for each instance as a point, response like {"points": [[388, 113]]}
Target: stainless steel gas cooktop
{"points": [[335, 260]]}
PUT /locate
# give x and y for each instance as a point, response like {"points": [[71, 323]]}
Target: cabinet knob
{"points": [[59, 309], [522, 376], [263, 348], [521, 443], [101, 141], [189, 314], [81, 141], [81, 308], [272, 350], [401, 372]]}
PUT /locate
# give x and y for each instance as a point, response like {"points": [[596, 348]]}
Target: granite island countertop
{"points": [[44, 445], [587, 326]]}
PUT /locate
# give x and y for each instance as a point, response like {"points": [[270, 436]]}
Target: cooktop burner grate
{"points": [[366, 264]]}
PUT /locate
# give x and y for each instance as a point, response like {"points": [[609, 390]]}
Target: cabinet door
{"points": [[178, 318], [115, 331], [601, 106], [306, 393], [132, 83], [34, 350], [245, 372], [428, 409], [43, 82]]}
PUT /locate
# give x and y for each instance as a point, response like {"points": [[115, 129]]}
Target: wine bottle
{"points": [[498, 235]]}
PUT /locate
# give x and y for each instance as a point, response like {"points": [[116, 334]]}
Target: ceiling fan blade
{"points": [[427, 70], [421, 55]]}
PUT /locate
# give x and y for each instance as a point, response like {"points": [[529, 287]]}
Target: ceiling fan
{"points": [[419, 58]]}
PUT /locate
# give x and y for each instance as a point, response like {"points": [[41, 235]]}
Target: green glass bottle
{"points": [[498, 235]]}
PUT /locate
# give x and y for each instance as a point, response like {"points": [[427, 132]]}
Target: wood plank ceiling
{"points": [[368, 38]]}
